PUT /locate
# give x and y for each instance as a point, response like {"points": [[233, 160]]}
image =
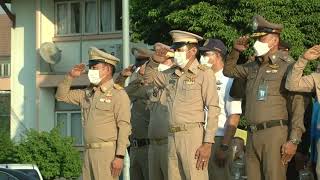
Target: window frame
{"points": [[69, 112], [2, 69], [83, 16], [56, 3]]}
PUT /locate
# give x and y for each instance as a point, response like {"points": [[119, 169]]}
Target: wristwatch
{"points": [[224, 147], [294, 141]]}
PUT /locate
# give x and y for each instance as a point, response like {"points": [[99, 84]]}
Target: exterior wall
{"points": [[23, 69], [46, 113], [32, 83]]}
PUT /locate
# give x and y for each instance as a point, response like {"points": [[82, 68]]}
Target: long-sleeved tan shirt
{"points": [[272, 72], [105, 112], [187, 94], [297, 82]]}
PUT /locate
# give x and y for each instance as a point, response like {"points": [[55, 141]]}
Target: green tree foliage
{"points": [[6, 147], [53, 154], [151, 20]]}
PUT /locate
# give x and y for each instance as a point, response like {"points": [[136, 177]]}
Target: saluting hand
{"points": [[312, 53], [241, 44], [116, 167], [126, 72], [202, 155], [288, 150], [161, 52], [77, 70]]}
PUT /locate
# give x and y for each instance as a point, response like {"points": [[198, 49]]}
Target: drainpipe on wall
{"points": [[126, 63], [38, 43]]}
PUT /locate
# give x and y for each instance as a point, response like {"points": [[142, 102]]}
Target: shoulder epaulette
{"points": [[117, 86], [287, 58], [203, 67]]}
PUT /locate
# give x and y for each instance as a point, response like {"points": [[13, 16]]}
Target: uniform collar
{"points": [[193, 68], [280, 54], [107, 85]]}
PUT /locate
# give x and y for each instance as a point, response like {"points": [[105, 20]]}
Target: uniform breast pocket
{"points": [[273, 81], [191, 92], [104, 112]]}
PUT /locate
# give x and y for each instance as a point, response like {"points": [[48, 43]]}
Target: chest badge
{"points": [[274, 66], [189, 82], [218, 82], [108, 97]]}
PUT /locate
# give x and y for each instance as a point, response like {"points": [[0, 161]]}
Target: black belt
{"points": [[267, 124], [140, 142]]}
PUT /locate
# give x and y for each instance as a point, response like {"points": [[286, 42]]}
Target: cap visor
{"points": [[177, 45], [204, 49], [93, 62], [258, 34]]}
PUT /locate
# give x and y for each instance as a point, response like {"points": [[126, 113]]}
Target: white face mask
{"points": [[261, 48], [163, 67], [180, 58], [94, 76], [205, 60]]}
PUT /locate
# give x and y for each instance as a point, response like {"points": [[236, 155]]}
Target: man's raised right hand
{"points": [[241, 44], [77, 70], [161, 52]]}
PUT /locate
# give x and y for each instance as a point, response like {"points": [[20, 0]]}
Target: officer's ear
{"points": [[275, 39]]}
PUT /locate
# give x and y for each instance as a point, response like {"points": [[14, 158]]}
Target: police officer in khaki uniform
{"points": [[105, 108], [158, 129], [272, 139], [140, 115], [189, 88]]}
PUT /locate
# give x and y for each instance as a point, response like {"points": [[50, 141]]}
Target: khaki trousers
{"points": [[182, 147], [97, 163], [139, 163], [263, 154], [158, 162], [215, 172]]}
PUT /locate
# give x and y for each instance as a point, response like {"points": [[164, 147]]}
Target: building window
{"points": [[70, 124], [68, 117], [87, 17], [5, 70], [5, 111]]}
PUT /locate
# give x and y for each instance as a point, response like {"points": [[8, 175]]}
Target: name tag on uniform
{"points": [[188, 82], [262, 92], [106, 100]]}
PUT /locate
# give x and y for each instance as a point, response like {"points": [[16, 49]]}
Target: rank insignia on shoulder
{"points": [[203, 67], [117, 86]]}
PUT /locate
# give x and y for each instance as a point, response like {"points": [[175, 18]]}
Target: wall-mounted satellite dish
{"points": [[50, 53]]}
